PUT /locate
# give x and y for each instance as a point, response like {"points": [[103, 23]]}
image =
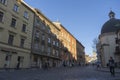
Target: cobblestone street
{"points": [[74, 73]]}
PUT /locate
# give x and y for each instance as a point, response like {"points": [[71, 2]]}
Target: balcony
{"points": [[49, 44], [36, 39], [44, 52], [36, 51], [54, 46], [57, 47]]}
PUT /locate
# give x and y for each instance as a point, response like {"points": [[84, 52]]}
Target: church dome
{"points": [[111, 25]]}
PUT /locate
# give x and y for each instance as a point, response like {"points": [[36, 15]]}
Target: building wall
{"points": [[108, 46], [43, 27], [15, 50], [12, 54], [69, 42], [87, 59], [117, 48], [80, 54]]}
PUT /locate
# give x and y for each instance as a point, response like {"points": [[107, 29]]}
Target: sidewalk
{"points": [[117, 70]]}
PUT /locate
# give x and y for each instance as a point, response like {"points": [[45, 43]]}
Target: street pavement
{"points": [[62, 73], [105, 69]]}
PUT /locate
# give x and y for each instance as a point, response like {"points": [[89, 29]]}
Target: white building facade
{"points": [[106, 47]]}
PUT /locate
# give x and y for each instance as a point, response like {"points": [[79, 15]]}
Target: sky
{"points": [[82, 18]]}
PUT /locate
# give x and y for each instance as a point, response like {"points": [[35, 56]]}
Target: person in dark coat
{"points": [[112, 66]]}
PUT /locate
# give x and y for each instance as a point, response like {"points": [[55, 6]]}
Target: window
{"points": [[15, 8], [8, 57], [49, 31], [53, 51], [36, 46], [24, 28], [53, 42], [57, 44], [49, 50], [3, 2], [37, 22], [43, 37], [43, 27], [49, 40], [57, 53], [48, 27], [10, 39], [22, 42], [26, 14], [7, 60], [13, 22], [37, 34], [43, 48], [1, 16]]}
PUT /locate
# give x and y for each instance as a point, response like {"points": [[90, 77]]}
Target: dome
{"points": [[111, 25]]}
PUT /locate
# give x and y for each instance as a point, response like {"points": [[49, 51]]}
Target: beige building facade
{"points": [[16, 24], [29, 39], [87, 59]]}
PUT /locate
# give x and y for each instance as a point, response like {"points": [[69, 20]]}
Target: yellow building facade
{"points": [[29, 39], [16, 24]]}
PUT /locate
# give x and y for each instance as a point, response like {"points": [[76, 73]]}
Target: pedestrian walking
{"points": [[98, 65], [112, 66]]}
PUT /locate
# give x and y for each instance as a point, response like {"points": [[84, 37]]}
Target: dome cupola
{"points": [[112, 25]]}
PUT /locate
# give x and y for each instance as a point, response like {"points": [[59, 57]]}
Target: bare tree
{"points": [[95, 42]]}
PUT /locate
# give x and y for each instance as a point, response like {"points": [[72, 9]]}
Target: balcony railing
{"points": [[49, 44]]}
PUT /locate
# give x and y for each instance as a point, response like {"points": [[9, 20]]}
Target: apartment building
{"points": [[80, 53], [45, 43], [29, 39], [16, 24], [68, 52]]}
